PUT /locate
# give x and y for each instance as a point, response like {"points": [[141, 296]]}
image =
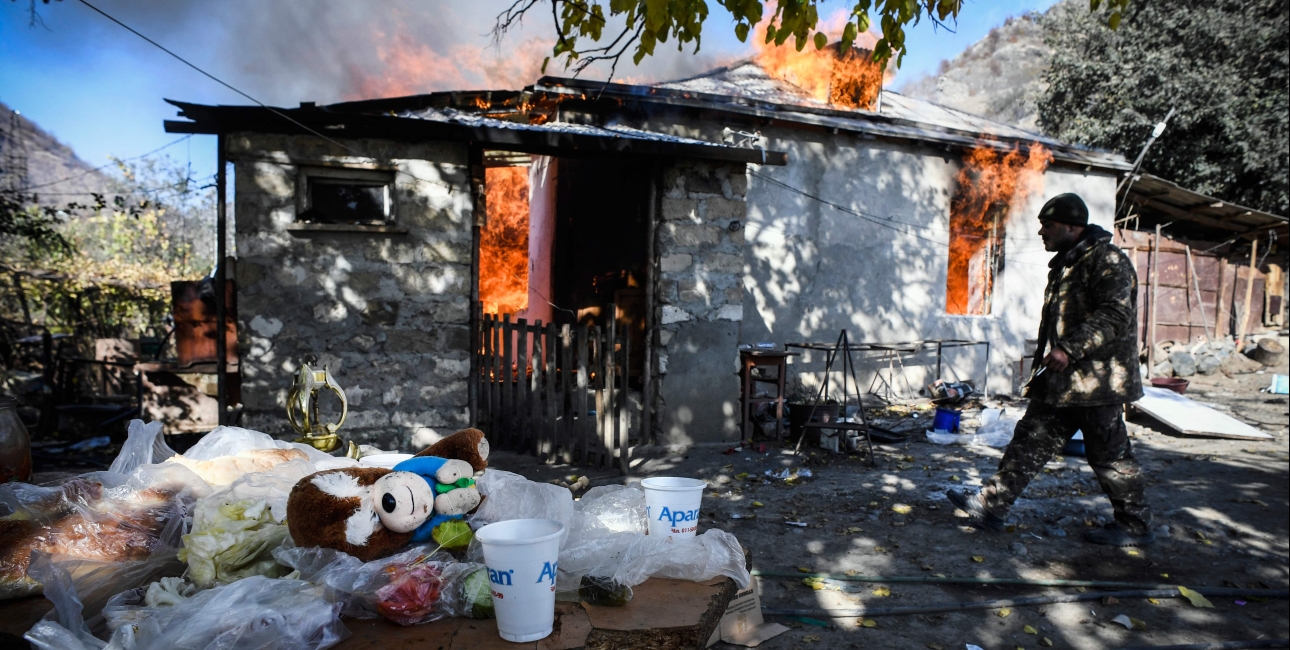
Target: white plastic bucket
{"points": [[672, 505], [388, 461], [522, 556]]}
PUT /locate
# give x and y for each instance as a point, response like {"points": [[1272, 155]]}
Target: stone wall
{"points": [[700, 307], [388, 313]]}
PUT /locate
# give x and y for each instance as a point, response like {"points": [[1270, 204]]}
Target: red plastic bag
{"points": [[412, 593]]}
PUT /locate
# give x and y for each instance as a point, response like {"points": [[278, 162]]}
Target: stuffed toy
{"points": [[371, 512], [469, 445]]}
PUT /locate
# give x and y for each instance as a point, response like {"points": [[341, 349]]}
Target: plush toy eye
{"points": [[388, 502]]}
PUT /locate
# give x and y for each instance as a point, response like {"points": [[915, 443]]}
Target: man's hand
{"points": [[1057, 360]]}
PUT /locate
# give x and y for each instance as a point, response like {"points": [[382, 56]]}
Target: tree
{"points": [[1221, 63], [647, 23]]}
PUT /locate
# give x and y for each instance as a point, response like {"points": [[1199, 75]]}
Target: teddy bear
{"points": [[371, 512]]}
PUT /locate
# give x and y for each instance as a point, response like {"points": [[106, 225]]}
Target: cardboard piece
{"points": [[658, 603], [743, 624]]}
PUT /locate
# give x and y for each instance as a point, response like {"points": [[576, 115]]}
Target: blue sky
{"points": [[100, 89]]}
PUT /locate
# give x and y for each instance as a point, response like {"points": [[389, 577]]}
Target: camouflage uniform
{"points": [[1090, 311]]}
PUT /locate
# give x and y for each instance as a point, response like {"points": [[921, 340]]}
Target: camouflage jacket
{"points": [[1091, 312]]}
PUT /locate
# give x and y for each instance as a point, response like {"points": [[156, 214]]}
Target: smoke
{"points": [[337, 50]]}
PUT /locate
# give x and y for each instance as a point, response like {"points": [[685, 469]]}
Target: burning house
{"points": [[776, 200]]}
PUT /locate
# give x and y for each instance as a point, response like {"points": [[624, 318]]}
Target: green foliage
{"points": [[103, 269], [647, 23], [1221, 63]]}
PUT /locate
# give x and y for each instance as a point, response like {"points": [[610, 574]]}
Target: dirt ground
{"points": [[1220, 511], [1220, 507]]}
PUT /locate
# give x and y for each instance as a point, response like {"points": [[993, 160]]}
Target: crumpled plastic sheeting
{"points": [[144, 445], [256, 612], [357, 582], [600, 539], [229, 441]]}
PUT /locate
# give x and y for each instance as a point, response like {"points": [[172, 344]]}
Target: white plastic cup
{"points": [[672, 505], [522, 557], [388, 461]]}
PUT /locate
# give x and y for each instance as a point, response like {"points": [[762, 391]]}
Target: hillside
{"points": [[53, 171], [999, 77]]}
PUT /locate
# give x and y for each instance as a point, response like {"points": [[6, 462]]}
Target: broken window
{"points": [[504, 238], [976, 258], [345, 196]]}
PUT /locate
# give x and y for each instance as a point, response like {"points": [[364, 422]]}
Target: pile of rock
{"points": [[1205, 358]]}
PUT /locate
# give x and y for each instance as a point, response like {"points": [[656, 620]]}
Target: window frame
{"points": [[340, 175]]}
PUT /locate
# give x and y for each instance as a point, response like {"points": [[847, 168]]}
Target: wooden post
{"points": [[1222, 324], [221, 267], [521, 381], [651, 282], [1249, 295], [552, 349], [478, 198], [1200, 299], [1155, 284], [566, 392], [611, 371], [580, 396], [624, 435]]}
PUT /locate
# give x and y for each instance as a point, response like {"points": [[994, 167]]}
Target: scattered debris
{"points": [[1129, 623]]}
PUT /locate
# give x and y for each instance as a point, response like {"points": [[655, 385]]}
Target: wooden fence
{"points": [[556, 391]]}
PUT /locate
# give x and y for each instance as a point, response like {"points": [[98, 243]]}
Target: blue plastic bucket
{"points": [[946, 420]]}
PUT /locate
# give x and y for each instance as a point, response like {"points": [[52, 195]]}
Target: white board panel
{"points": [[1194, 419]]}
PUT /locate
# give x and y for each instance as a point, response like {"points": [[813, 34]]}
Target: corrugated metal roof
{"points": [[746, 88], [1172, 201], [474, 120]]}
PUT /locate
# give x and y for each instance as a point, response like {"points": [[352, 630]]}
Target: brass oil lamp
{"points": [[302, 408]]}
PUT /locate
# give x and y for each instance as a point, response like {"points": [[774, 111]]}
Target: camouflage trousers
{"points": [[1042, 433]]}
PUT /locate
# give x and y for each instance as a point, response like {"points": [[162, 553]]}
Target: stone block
{"points": [[686, 235], [365, 420], [724, 263], [674, 314], [674, 263], [681, 210], [410, 340], [723, 211], [382, 313], [455, 310]]}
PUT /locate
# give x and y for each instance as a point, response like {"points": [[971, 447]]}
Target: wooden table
{"points": [[663, 613]]}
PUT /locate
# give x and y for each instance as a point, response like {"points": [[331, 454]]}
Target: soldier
{"points": [[1086, 370]]}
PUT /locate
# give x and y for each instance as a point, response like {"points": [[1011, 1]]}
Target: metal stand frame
{"points": [[843, 345]]}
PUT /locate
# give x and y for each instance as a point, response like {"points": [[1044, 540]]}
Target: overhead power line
{"points": [[105, 166]]}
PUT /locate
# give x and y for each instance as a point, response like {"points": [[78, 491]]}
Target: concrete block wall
{"points": [[700, 299], [387, 313]]}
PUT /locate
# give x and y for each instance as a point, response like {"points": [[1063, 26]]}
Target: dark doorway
{"points": [[599, 256]]}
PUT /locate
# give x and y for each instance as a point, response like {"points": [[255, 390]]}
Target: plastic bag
{"points": [[995, 430], [232, 539], [106, 520], [619, 508], [229, 441], [936, 437], [144, 445], [256, 612], [595, 544], [414, 586]]}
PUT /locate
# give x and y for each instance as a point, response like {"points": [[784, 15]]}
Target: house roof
{"points": [[1156, 200], [746, 88], [440, 116]]}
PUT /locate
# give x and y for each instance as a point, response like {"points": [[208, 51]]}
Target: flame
{"points": [[850, 80], [408, 66], [990, 183], [504, 241]]}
